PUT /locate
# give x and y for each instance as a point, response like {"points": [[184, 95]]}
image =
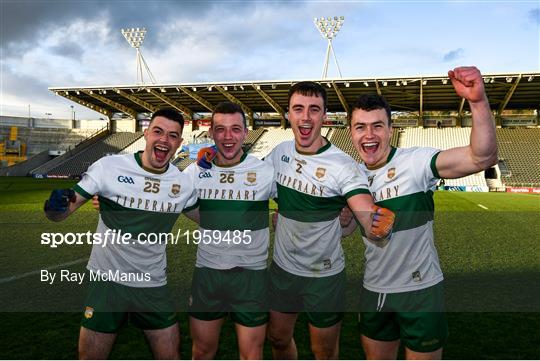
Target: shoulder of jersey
{"points": [[337, 152]]}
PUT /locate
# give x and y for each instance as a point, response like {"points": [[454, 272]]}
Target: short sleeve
{"points": [[426, 174], [90, 183], [352, 180]]}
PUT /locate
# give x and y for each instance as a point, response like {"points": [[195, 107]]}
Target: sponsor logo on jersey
{"points": [[285, 159], [175, 191], [251, 179], [88, 312], [320, 172], [124, 179], [205, 175], [370, 180], [327, 264]]}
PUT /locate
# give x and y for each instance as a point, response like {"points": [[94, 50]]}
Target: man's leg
{"points": [[413, 355], [280, 335], [205, 335], [165, 342], [250, 341], [379, 350], [95, 345], [325, 341]]}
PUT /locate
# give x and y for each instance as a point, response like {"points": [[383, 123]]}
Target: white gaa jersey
{"points": [[409, 261], [312, 190], [233, 206], [137, 201]]}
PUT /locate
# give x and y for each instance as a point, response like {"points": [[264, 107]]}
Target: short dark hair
{"points": [[370, 102], [228, 108], [171, 114], [308, 88]]}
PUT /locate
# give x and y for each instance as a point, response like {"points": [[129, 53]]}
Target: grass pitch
{"points": [[490, 258]]}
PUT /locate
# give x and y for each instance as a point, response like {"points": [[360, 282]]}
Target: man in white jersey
{"points": [[402, 298], [230, 272], [139, 194], [314, 181]]}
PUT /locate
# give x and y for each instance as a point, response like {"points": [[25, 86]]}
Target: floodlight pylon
{"points": [[329, 27], [135, 38]]}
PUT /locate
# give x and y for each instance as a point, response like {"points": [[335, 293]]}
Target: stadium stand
{"points": [[183, 163], [77, 163], [22, 169], [341, 138], [268, 141], [252, 137], [443, 138], [519, 149], [39, 139]]}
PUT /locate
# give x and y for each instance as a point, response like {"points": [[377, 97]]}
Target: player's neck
{"points": [[223, 162], [314, 148]]}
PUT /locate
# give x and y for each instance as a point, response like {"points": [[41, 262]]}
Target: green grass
{"points": [[490, 259]]}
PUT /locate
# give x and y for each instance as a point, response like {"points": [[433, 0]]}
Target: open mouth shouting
{"points": [[370, 147], [161, 152], [305, 130]]}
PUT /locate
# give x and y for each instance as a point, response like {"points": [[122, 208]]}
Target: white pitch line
{"points": [[31, 273], [481, 206]]}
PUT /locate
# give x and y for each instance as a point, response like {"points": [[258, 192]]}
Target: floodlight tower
{"points": [[135, 38], [329, 27]]}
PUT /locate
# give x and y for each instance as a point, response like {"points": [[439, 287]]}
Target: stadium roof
{"points": [[418, 93]]}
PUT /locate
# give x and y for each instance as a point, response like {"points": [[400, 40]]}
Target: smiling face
{"points": [[228, 132], [163, 137], [306, 115], [371, 134]]}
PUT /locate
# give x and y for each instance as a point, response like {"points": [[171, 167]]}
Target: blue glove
{"points": [[205, 156], [57, 204]]}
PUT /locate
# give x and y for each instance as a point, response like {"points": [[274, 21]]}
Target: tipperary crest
{"points": [[391, 173], [88, 312], [320, 172], [175, 191], [251, 179]]}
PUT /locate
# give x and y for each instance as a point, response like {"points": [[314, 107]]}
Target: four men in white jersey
{"points": [[313, 180], [139, 194], [402, 299]]}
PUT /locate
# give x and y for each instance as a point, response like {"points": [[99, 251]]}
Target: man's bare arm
{"points": [[481, 153]]}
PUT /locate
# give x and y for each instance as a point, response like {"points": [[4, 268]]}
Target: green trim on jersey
{"points": [[324, 147], [391, 154], [356, 192], [81, 191], [196, 205], [139, 162], [412, 210], [314, 209], [433, 165], [319, 151], [226, 215], [135, 221], [242, 158]]}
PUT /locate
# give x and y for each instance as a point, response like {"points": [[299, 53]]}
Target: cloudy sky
{"points": [[76, 43]]}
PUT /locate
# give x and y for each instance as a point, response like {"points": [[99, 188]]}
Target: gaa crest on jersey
{"points": [[175, 191], [251, 179], [88, 312], [320, 172]]}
